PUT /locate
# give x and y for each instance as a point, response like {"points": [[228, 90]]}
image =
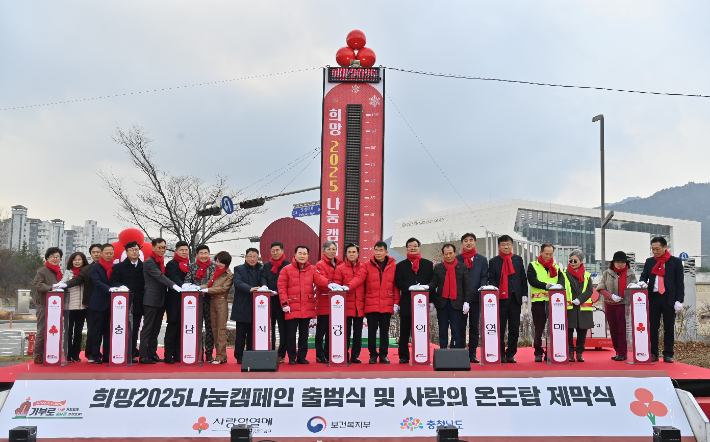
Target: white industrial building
{"points": [[558, 224]]}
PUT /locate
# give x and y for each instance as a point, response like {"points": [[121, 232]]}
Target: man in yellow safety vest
{"points": [[542, 274]]}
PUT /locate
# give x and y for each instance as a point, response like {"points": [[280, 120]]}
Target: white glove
{"points": [[525, 299], [488, 287], [418, 288], [344, 287], [633, 286], [466, 307], [113, 289], [643, 284], [396, 309], [187, 287], [576, 302], [333, 286], [616, 298], [555, 287], [123, 288], [548, 285], [177, 288], [204, 290], [59, 285], [677, 307], [431, 306], [286, 309]]}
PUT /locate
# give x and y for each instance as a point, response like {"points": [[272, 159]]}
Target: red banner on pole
{"points": [[639, 337], [54, 339], [338, 349], [557, 345], [121, 352], [490, 340], [191, 322], [261, 322]]}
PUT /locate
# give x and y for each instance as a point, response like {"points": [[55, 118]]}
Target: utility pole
{"points": [[604, 219]]}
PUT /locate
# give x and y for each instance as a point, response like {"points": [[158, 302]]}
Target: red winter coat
{"points": [[327, 269], [355, 300], [380, 292], [296, 290]]}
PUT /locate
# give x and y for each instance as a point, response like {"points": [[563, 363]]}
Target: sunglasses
{"points": [[573, 261]]}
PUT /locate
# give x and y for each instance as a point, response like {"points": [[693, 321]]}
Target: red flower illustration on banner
{"points": [[200, 425], [490, 299], [641, 328], [420, 300], [119, 302], [639, 299], [54, 302], [337, 301], [189, 301], [261, 302], [646, 406], [53, 330]]}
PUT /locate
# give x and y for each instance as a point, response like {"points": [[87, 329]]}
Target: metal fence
{"points": [[13, 342]]}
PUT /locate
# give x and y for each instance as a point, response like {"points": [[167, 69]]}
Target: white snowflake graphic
{"points": [[374, 101], [355, 89]]}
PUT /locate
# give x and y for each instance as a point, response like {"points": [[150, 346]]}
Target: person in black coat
{"points": [[477, 266], [270, 279], [452, 303], [510, 301], [129, 273], [100, 303], [666, 292], [176, 270], [247, 279], [405, 277]]}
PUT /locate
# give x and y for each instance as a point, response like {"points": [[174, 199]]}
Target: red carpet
{"points": [[594, 361]]}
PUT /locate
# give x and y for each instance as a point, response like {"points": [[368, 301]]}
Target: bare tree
{"points": [[169, 201]]}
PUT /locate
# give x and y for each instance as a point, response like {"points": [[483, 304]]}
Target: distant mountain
{"points": [[625, 200], [691, 202]]}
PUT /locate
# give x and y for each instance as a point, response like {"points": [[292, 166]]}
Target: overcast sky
{"points": [[494, 140]]}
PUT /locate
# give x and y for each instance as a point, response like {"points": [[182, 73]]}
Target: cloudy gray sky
{"points": [[494, 140]]}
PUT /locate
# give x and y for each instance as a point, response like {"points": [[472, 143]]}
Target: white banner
{"points": [[420, 327], [558, 325], [54, 328], [119, 325], [333, 408], [337, 338], [639, 327], [191, 330], [262, 321], [490, 348]]}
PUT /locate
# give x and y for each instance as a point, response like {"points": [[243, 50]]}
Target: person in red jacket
{"points": [[326, 267], [355, 301], [297, 299], [381, 299]]}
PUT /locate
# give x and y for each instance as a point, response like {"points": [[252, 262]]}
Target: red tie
{"points": [[661, 285]]}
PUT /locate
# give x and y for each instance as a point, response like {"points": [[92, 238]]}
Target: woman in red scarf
{"points": [[77, 310], [614, 280], [579, 303], [48, 278], [217, 288], [200, 273]]}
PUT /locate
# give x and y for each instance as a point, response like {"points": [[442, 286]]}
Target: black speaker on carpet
{"points": [[666, 434], [260, 360], [447, 433], [451, 359], [240, 433], [23, 434]]}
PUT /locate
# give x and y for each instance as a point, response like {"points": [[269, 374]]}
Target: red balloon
{"points": [[367, 57], [118, 252], [344, 55], [146, 250], [356, 39], [129, 235]]}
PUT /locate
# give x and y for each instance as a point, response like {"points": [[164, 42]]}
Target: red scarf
{"points": [[56, 269], [660, 271], [202, 269], [217, 273], [622, 279], [549, 265], [160, 260], [108, 266], [579, 273], [468, 257], [508, 270], [184, 263], [450, 281], [76, 271], [276, 265], [414, 259]]}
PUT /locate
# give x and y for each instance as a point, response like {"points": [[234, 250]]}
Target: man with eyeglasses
{"points": [[477, 265], [129, 273], [507, 272], [415, 270], [543, 273]]}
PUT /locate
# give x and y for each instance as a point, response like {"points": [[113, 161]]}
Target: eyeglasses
{"points": [[573, 261]]}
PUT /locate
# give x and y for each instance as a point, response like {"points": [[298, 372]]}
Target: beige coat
{"points": [[221, 285], [43, 282], [610, 283]]}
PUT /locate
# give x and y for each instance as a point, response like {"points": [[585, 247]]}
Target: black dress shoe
{"points": [[157, 359], [169, 361], [355, 361], [134, 360], [502, 360], [302, 361], [668, 359], [292, 362], [209, 358], [322, 360], [384, 360], [654, 358], [146, 361], [538, 358], [239, 361], [403, 361], [571, 357], [615, 358], [373, 360], [579, 357], [511, 359], [474, 360], [98, 361]]}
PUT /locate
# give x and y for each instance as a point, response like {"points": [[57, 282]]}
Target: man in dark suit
{"points": [[100, 303], [477, 265], [247, 279], [507, 272], [129, 273], [453, 299], [412, 271], [666, 292], [176, 270], [270, 277]]}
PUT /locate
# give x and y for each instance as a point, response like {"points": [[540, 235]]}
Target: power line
{"points": [[294, 161], [467, 77], [161, 89], [309, 163], [437, 164], [293, 164]]}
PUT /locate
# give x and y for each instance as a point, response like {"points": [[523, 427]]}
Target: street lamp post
{"points": [[603, 218]]}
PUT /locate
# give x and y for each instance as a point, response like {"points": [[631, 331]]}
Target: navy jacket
{"points": [[245, 277], [125, 273], [404, 277], [477, 274], [101, 297], [173, 298], [673, 281], [517, 282]]}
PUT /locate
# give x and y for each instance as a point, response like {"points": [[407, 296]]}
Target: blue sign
{"points": [[227, 205], [305, 211], [683, 256]]}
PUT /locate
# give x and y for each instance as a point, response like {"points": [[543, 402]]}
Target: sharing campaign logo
{"points": [[200, 425], [411, 424], [316, 424], [646, 406]]}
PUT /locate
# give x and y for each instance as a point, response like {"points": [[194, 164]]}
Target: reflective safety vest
{"points": [[543, 276], [587, 305]]}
